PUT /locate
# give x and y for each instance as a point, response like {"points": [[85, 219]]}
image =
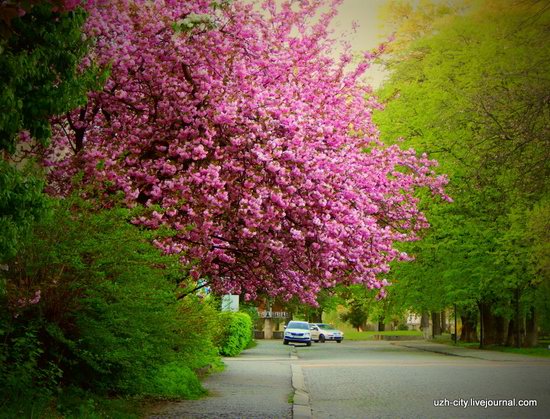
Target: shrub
{"points": [[174, 380], [89, 303], [236, 333]]}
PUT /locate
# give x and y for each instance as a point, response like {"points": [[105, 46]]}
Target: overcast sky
{"points": [[365, 12], [367, 37]]}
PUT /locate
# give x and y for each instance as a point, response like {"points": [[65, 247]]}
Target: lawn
{"points": [[355, 335], [541, 350]]}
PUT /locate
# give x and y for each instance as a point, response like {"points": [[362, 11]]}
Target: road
{"points": [[368, 380], [381, 380]]}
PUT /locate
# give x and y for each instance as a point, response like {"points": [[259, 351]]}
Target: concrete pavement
{"points": [[257, 384]]}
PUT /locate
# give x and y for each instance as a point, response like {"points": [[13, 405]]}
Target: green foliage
{"points": [[39, 71], [468, 88], [356, 315], [174, 380], [89, 303], [27, 384], [21, 203], [236, 333], [40, 77], [75, 402]]}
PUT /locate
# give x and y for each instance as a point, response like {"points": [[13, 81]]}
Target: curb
{"points": [[434, 351], [301, 408]]}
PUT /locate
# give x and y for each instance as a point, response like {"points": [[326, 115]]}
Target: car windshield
{"points": [[326, 326], [296, 325]]}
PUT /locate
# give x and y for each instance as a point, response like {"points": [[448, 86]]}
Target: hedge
{"points": [[236, 333]]}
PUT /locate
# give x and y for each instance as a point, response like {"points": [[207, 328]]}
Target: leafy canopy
{"points": [[241, 133]]}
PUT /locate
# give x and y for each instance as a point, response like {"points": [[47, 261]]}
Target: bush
{"points": [[236, 333], [89, 303], [174, 380]]}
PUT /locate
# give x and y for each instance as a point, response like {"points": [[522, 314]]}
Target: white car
{"points": [[296, 331], [321, 332]]}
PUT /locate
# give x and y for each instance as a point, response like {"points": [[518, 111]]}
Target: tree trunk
{"points": [[489, 323], [444, 322], [316, 316], [436, 324], [500, 330], [518, 322], [515, 332], [511, 338], [469, 326], [531, 332], [425, 325], [381, 325]]}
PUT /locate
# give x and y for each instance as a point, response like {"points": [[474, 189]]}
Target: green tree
{"points": [[40, 76], [471, 90]]}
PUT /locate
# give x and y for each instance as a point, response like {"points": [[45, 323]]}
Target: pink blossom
{"points": [[253, 135]]}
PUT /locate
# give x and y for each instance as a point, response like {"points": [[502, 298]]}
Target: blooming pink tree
{"points": [[237, 130]]}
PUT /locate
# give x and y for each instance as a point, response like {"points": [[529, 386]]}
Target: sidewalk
{"points": [[484, 354], [257, 384]]}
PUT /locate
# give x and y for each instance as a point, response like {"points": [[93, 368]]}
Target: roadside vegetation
{"points": [[467, 84], [90, 313], [156, 156]]}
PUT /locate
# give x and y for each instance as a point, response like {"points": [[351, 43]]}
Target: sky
{"points": [[368, 35]]}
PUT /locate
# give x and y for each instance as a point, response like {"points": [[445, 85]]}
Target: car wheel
{"points": [[308, 343], [322, 338], [285, 342], [339, 341]]}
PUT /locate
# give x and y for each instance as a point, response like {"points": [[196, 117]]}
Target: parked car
{"points": [[321, 332], [296, 331]]}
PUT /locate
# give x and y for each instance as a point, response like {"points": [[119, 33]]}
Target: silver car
{"points": [[296, 331], [321, 332]]}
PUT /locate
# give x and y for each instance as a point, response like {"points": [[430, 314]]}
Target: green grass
{"points": [[355, 335], [541, 350], [524, 351], [291, 398]]}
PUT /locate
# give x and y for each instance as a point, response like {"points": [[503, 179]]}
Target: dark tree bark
{"points": [[501, 330], [487, 322], [469, 328], [511, 338], [436, 324], [494, 327], [381, 325], [516, 331], [531, 332], [444, 325]]}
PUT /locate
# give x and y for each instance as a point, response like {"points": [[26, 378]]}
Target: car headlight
{"points": [[307, 335]]}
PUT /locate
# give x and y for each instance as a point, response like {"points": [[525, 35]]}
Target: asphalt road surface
{"points": [[370, 380], [381, 380]]}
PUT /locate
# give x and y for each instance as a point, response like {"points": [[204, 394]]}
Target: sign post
{"points": [[230, 302]]}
